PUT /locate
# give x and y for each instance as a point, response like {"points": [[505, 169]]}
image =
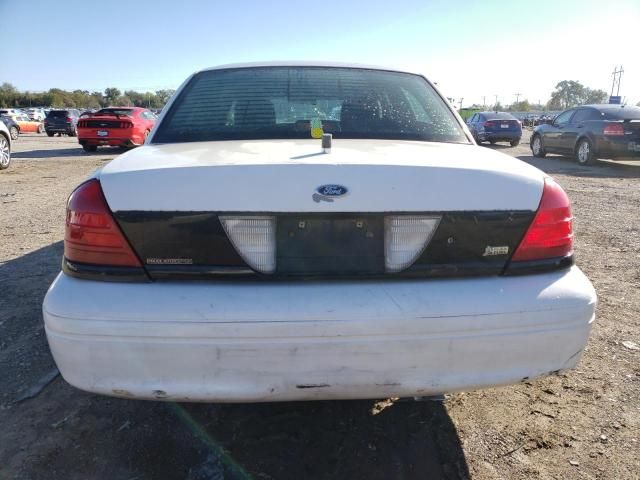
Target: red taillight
{"points": [[91, 234], [69, 120], [126, 124], [550, 234], [489, 124], [614, 130]]}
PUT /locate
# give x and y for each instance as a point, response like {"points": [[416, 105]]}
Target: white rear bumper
{"points": [[267, 341]]}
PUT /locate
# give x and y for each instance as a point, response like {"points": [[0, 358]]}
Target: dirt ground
{"points": [[582, 424]]}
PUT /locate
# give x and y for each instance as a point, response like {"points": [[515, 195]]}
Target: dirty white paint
{"points": [[258, 341]]}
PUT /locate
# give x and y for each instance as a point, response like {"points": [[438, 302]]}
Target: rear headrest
{"points": [[359, 112], [255, 113]]}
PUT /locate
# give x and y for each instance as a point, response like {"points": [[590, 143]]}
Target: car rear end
{"points": [[36, 114], [237, 259], [110, 127], [618, 136], [59, 121], [500, 128]]}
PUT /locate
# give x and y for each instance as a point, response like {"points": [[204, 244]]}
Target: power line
{"points": [[617, 79]]}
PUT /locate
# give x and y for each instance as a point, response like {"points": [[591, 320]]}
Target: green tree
{"points": [[568, 93], [522, 106], [96, 100], [164, 96], [595, 96], [8, 94], [122, 101], [111, 95]]}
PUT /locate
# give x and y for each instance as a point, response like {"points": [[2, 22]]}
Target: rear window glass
{"points": [[58, 114], [115, 111], [499, 116], [626, 113], [305, 102]]}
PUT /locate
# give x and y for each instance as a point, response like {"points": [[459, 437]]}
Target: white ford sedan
{"points": [[314, 231]]}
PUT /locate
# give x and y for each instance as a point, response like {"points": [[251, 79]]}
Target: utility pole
{"points": [[517, 97], [461, 103], [484, 102], [617, 79], [495, 105]]}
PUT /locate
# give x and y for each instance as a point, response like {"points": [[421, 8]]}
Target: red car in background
{"points": [[115, 126]]}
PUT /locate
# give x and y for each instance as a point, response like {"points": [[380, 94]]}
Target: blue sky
{"points": [[472, 49]]}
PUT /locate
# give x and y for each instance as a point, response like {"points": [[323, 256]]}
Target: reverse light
{"points": [[614, 130], [92, 235], [550, 234], [254, 238], [405, 238]]}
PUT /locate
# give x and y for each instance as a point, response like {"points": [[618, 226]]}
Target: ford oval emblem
{"points": [[332, 190]]}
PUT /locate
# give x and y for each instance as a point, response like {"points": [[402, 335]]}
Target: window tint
{"points": [[115, 111], [563, 118], [304, 102], [584, 114], [58, 114], [500, 116], [626, 113]]}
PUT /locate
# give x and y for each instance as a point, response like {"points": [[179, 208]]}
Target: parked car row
{"points": [[125, 127], [533, 120], [21, 122]]}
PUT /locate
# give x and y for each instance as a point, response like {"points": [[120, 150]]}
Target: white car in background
{"points": [[314, 231], [11, 112], [36, 114], [5, 146]]}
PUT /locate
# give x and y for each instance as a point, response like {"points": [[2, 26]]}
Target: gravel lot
{"points": [[581, 424]]}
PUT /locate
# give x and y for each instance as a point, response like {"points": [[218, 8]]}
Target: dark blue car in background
{"points": [[495, 127], [590, 132]]}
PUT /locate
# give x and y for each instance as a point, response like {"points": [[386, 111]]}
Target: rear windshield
{"points": [[58, 114], [626, 113], [115, 111], [305, 102], [499, 116]]}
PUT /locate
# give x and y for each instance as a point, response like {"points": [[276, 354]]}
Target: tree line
{"points": [[11, 97], [567, 94]]}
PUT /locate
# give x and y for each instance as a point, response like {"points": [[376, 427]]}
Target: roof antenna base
{"points": [[326, 142]]}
